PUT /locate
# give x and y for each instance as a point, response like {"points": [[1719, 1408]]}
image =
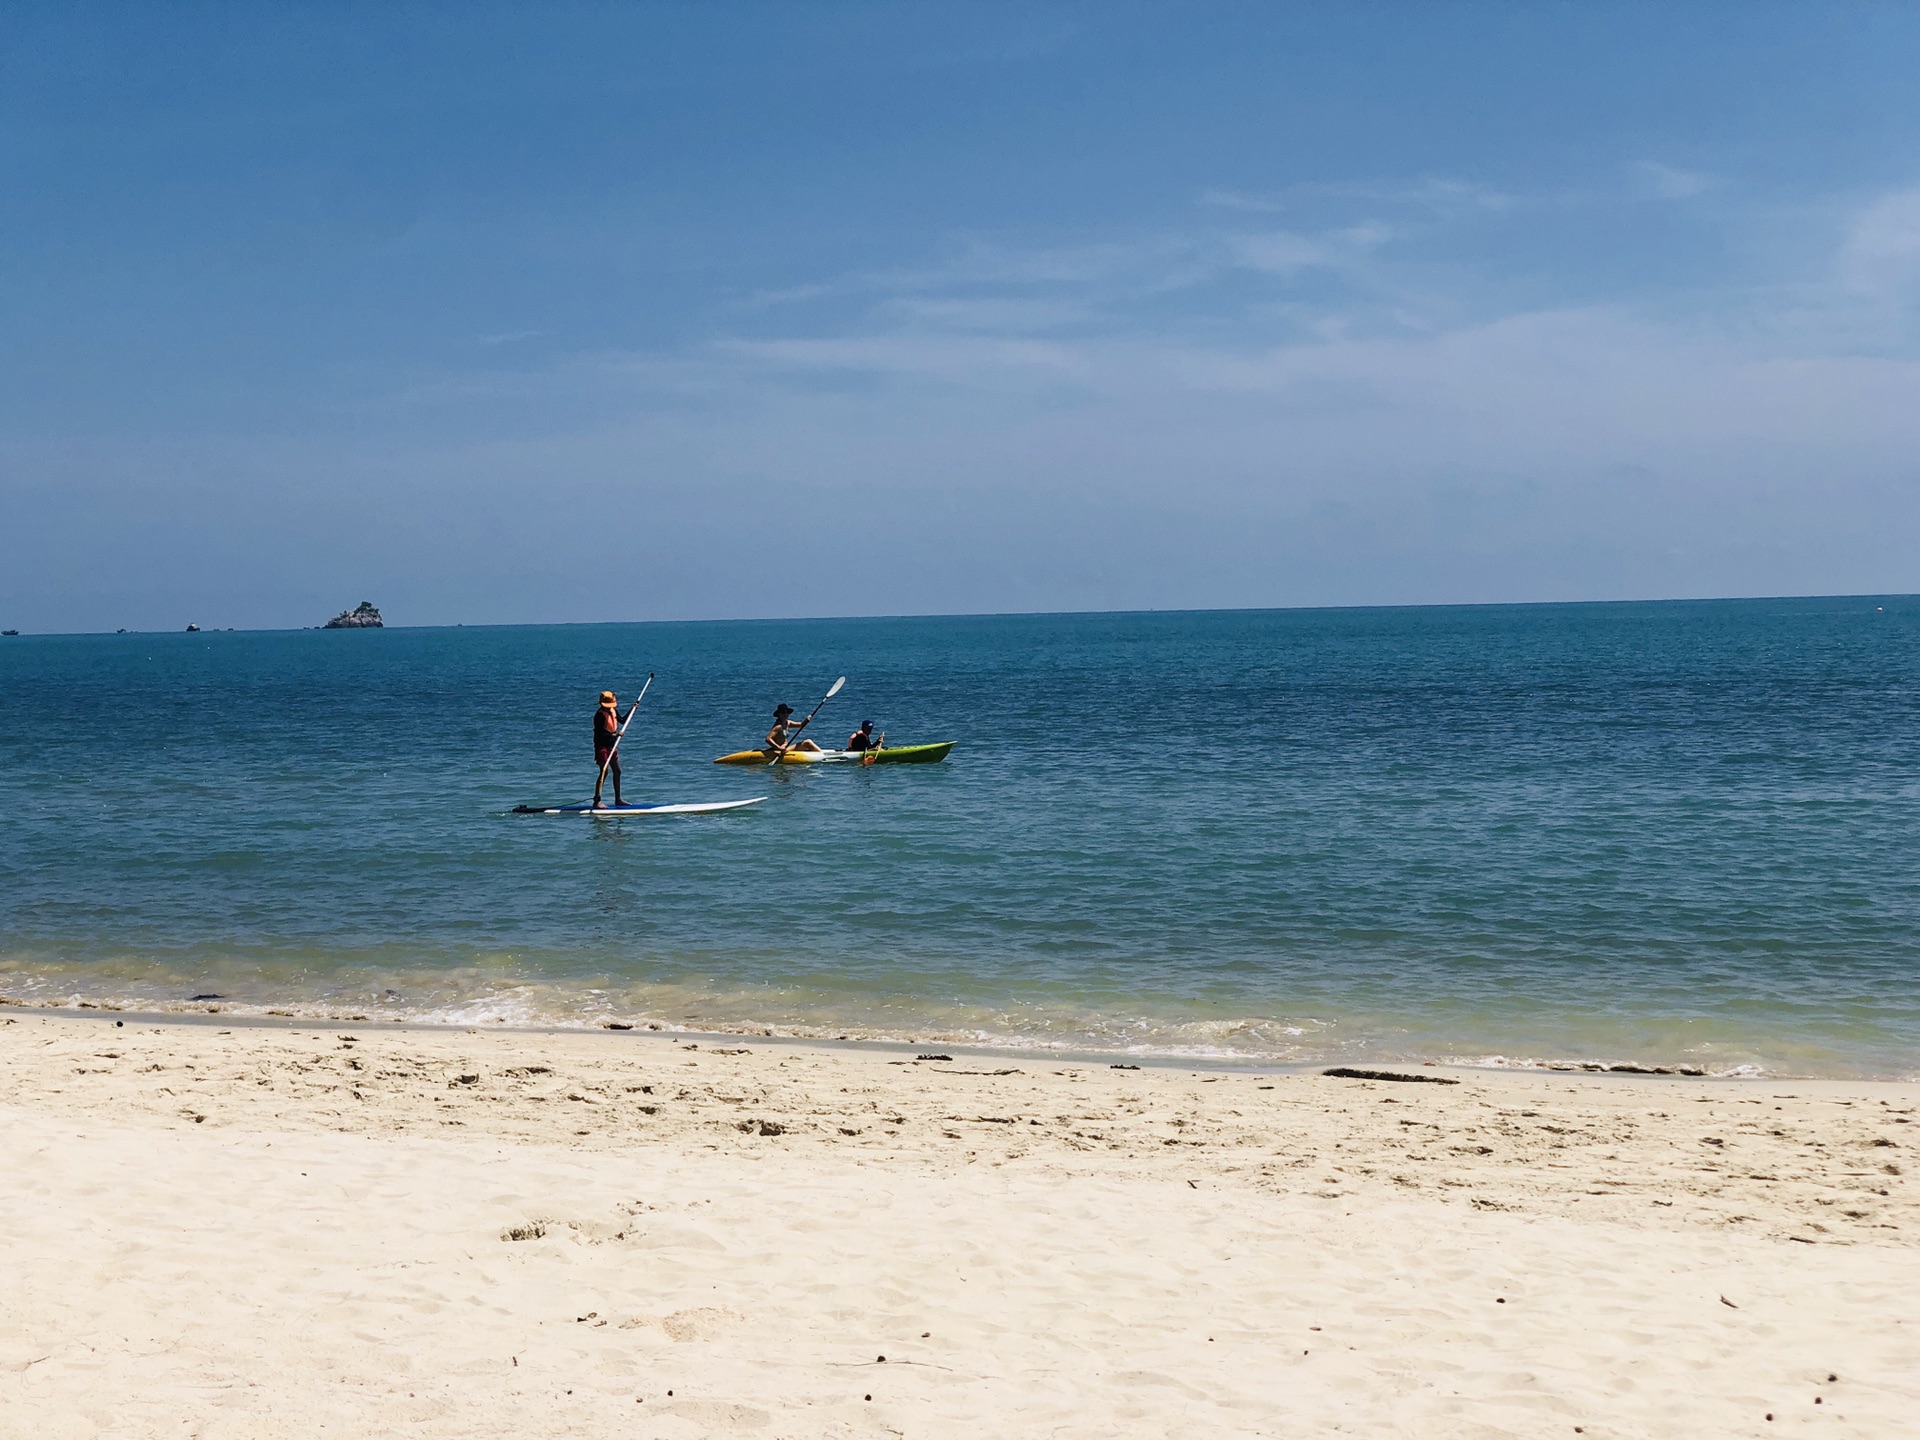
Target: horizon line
{"points": [[996, 614]]}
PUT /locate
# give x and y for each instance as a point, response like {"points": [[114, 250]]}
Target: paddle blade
{"points": [[836, 687]]}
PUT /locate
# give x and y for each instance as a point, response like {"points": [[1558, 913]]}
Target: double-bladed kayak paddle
{"points": [[781, 750]]}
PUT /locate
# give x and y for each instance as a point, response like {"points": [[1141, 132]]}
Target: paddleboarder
{"points": [[606, 735], [780, 739]]}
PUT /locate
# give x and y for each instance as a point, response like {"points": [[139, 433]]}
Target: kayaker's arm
{"points": [[779, 749]]}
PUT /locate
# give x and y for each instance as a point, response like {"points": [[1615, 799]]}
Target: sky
{"points": [[539, 313]]}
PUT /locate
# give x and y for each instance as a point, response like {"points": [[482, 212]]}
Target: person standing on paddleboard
{"points": [[780, 739], [606, 730]]}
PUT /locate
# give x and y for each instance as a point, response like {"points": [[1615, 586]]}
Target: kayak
{"points": [[891, 755], [618, 812]]}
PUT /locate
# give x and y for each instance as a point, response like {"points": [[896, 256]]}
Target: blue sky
{"points": [[601, 312]]}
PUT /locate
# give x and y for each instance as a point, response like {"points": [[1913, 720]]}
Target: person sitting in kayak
{"points": [[606, 730], [781, 739], [863, 738]]}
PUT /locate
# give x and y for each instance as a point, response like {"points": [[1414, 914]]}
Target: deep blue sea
{"points": [[1665, 833]]}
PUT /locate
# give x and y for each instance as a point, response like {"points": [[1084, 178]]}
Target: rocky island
{"points": [[361, 617]]}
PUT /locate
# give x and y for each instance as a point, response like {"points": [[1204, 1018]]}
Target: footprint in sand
{"points": [[703, 1323]]}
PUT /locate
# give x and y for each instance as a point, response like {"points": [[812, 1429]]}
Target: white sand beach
{"points": [[326, 1230]]}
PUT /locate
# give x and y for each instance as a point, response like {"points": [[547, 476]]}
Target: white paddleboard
{"points": [[621, 812]]}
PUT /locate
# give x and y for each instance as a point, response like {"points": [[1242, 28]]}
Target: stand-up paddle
{"points": [[780, 750], [596, 810], [618, 736]]}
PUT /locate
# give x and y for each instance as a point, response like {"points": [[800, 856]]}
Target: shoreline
{"points": [[253, 1015], [278, 1231]]}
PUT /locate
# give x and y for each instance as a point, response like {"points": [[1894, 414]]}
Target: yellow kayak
{"points": [[891, 755]]}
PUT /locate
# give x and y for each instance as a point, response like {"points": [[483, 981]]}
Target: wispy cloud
{"points": [[1240, 200], [1278, 252], [1433, 195], [1671, 183], [971, 360], [1308, 392], [1239, 413], [1881, 256], [1338, 366], [1006, 314], [785, 295]]}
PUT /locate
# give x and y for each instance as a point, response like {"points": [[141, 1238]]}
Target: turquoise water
{"points": [[1648, 833]]}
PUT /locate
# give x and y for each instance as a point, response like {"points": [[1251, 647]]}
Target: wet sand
{"points": [[331, 1230]]}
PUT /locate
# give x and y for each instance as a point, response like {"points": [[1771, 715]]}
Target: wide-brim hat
{"points": [[607, 697], [783, 709]]}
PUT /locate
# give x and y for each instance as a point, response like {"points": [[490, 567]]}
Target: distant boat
{"points": [[9, 632], [193, 629]]}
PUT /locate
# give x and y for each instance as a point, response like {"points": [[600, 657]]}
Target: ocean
{"points": [[1661, 834]]}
